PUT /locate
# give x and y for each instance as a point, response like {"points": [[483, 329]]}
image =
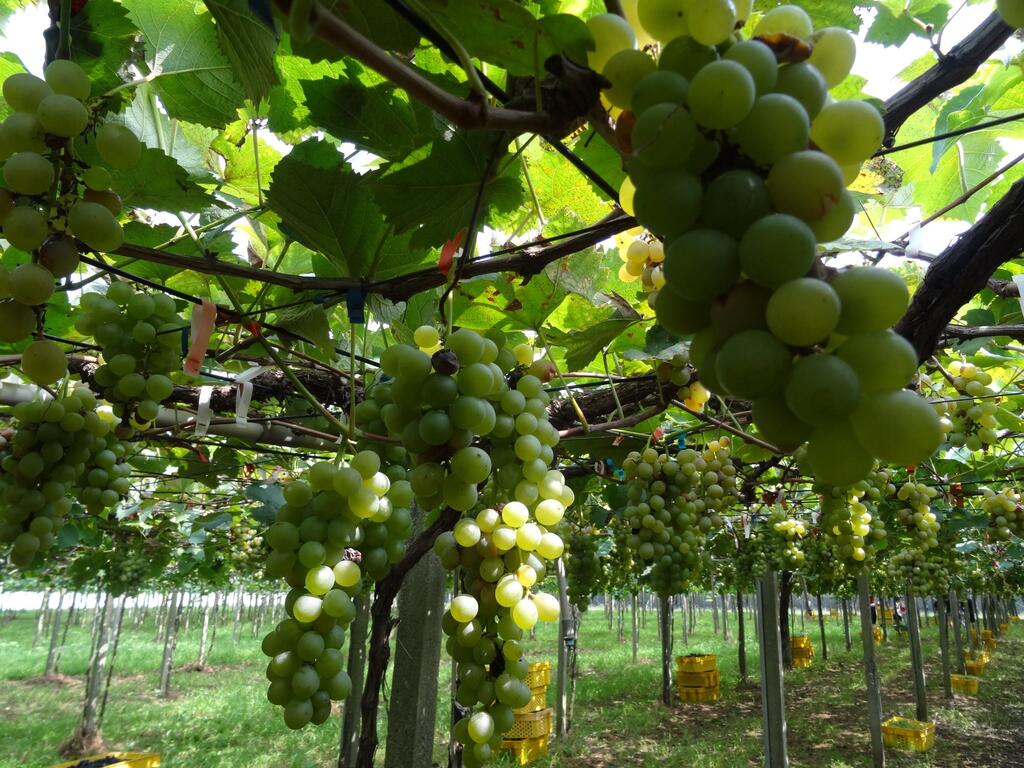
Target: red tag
{"points": [[657, 434], [618, 440], [203, 318], [444, 264]]}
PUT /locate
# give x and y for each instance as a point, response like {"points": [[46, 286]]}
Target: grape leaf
{"points": [[371, 18], [248, 44], [10, 64], [186, 66], [103, 36], [287, 110], [583, 345]]}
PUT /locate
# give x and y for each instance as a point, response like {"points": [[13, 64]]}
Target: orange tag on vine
{"points": [[204, 316], [444, 264]]}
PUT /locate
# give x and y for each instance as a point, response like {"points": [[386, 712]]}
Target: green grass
{"points": [[221, 718]]}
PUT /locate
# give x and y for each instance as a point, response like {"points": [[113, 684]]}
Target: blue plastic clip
{"points": [[681, 440], [620, 473], [354, 301]]}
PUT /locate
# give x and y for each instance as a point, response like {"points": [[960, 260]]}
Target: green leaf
{"points": [[380, 118], [188, 70], [270, 496], [188, 143], [242, 175], [433, 194], [287, 110], [10, 64], [326, 205], [308, 321], [584, 344], [371, 18], [248, 44], [103, 36]]}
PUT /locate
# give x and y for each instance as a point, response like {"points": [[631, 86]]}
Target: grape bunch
{"points": [[140, 337], [337, 525], [739, 162], [582, 565], [641, 260], [1005, 513], [851, 526], [49, 201], [920, 521], [970, 423], [57, 451], [673, 503], [925, 572], [781, 537]]}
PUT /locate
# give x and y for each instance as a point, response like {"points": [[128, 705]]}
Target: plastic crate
{"points": [[526, 750], [986, 634], [538, 675], [802, 662], [126, 760], [699, 679], [990, 643], [698, 694], [1004, 628], [800, 641], [975, 668], [1014, 619], [981, 656], [904, 733], [696, 663], [965, 684], [537, 703], [531, 725]]}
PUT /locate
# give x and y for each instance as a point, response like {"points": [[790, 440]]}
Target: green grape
{"points": [[678, 315], [44, 362], [106, 198], [702, 264], [472, 465], [752, 364], [734, 201], [883, 360], [822, 389], [31, 284], [785, 20], [663, 19], [612, 34], [96, 226], [873, 299], [741, 309], [836, 457], [97, 178], [834, 224], [66, 77], [778, 424], [776, 126], [833, 54], [776, 249], [661, 87], [721, 94], [28, 173], [849, 131], [805, 84], [23, 91], [759, 61], [59, 254], [685, 56], [805, 184], [16, 321], [118, 146], [22, 132], [624, 70], [803, 312], [668, 203], [710, 22], [897, 427], [663, 135], [63, 116]]}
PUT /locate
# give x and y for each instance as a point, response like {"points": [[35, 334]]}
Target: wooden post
{"points": [[714, 611], [871, 673], [741, 637], [821, 627], [916, 660], [944, 646], [880, 606], [170, 642], [567, 639], [725, 618], [666, 651], [44, 609], [352, 715], [954, 606], [773, 696], [636, 628], [785, 591], [88, 731], [51, 654], [846, 623]]}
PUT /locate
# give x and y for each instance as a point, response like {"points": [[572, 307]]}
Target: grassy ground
{"points": [[221, 718]]}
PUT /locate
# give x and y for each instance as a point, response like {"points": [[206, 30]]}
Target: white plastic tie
{"points": [[243, 394], [205, 413], [914, 237]]}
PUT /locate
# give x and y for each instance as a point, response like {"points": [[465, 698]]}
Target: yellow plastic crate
{"points": [[1014, 619], [526, 750], [1004, 628], [990, 643], [696, 663], [531, 725], [699, 679], [888, 613], [537, 703], [975, 668], [800, 641], [539, 674], [698, 694], [981, 656], [126, 760], [833, 613], [802, 662], [965, 684], [904, 733], [986, 634]]}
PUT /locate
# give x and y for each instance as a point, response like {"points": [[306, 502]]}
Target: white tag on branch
{"points": [[243, 394], [205, 413], [914, 237]]}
